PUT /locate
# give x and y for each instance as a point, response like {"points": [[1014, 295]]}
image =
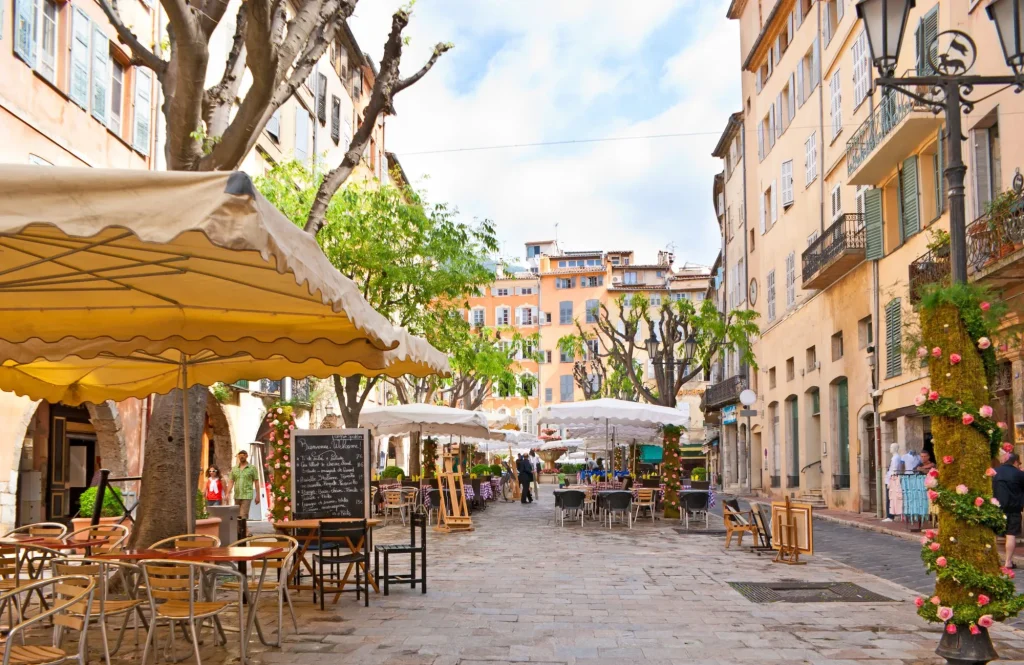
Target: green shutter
{"points": [[893, 339], [874, 236], [925, 41], [911, 207]]}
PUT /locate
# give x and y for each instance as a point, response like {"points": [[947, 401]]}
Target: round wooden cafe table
{"points": [[306, 532]]}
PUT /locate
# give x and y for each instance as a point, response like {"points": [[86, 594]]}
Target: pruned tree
{"points": [[589, 370], [210, 129], [622, 339]]}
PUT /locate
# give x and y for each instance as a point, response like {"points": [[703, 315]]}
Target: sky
{"points": [[539, 71]]}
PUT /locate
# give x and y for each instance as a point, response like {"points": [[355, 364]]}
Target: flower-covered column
{"points": [[971, 590], [281, 420], [671, 466], [429, 450]]}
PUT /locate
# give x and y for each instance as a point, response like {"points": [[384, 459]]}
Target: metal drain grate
{"points": [[807, 592]]}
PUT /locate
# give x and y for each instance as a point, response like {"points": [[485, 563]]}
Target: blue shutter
{"points": [[274, 125], [873, 232], [565, 388], [100, 74], [25, 14], [143, 108], [81, 34]]}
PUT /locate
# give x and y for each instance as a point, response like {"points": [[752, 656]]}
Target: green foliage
{"points": [[950, 408], [495, 469], [221, 393], [480, 469], [699, 473], [967, 299], [392, 472], [938, 239], [111, 507], [572, 468], [200, 508]]}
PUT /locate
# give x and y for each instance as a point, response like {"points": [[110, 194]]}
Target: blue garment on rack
{"points": [[915, 496]]}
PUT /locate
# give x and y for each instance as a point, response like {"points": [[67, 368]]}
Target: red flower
{"points": [[948, 459], [983, 600], [985, 306], [951, 628], [954, 358], [1008, 447], [975, 630], [933, 395], [919, 602]]}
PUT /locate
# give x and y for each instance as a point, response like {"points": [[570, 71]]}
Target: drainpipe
{"points": [[821, 127], [743, 284], [876, 394]]}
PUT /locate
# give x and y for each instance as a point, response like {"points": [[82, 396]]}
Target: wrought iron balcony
{"points": [[832, 255], [932, 268], [887, 136], [724, 392], [302, 389], [995, 243]]}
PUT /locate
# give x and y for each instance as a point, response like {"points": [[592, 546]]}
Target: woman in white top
{"points": [[894, 468]]}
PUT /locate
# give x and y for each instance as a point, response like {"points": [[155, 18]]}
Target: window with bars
{"points": [[893, 339]]}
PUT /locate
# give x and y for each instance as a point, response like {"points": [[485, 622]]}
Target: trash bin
{"points": [[228, 522]]}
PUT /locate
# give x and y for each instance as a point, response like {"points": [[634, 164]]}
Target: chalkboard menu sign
{"points": [[330, 473]]}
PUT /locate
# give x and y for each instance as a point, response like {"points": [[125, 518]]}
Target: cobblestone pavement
{"points": [[520, 588]]}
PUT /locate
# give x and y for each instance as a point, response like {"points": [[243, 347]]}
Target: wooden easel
{"points": [[459, 519], [789, 548]]}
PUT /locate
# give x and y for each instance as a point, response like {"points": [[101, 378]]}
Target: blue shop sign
{"points": [[729, 414]]}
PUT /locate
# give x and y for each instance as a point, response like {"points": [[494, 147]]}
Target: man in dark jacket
{"points": [[1008, 488], [525, 478]]}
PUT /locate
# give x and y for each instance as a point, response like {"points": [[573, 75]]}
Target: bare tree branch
{"points": [[218, 99], [128, 38], [438, 51], [211, 14]]}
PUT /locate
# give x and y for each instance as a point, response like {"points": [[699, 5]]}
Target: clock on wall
{"points": [[753, 292]]}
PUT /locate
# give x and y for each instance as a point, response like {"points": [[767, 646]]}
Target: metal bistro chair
{"points": [[619, 503], [394, 501], [67, 592], [356, 536], [102, 572], [417, 521], [114, 536], [39, 529], [572, 505], [646, 497], [174, 590], [282, 562], [187, 541], [695, 504]]}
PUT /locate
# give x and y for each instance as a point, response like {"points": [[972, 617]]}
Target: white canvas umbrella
{"points": [[424, 419]]}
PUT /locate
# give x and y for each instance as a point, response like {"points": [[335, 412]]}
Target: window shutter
{"points": [[840, 10], [815, 64], [274, 125], [25, 12], [778, 115], [775, 203], [143, 94], [786, 178], [800, 83], [321, 98], [791, 100], [893, 339], [982, 176], [335, 119], [790, 28], [760, 216], [100, 74], [835, 94], [927, 31], [799, 11], [911, 206], [771, 126], [873, 231], [837, 203], [81, 34], [757, 81], [760, 141], [826, 28]]}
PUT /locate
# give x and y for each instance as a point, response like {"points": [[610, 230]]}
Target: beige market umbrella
{"points": [[121, 283]]}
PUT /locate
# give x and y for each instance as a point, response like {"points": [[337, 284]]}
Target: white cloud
{"points": [[527, 71]]}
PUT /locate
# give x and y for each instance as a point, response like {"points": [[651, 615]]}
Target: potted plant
{"points": [[699, 479], [938, 242], [205, 525], [111, 513]]}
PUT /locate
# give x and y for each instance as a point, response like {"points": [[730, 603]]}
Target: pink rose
{"points": [[931, 481], [945, 613], [994, 501], [983, 600], [932, 495], [985, 621], [979, 502], [1006, 571], [924, 540], [924, 390], [954, 358], [1008, 447], [941, 562], [984, 306], [919, 400], [985, 411], [934, 547], [919, 601], [934, 600], [947, 459], [975, 630], [933, 395], [951, 628], [967, 419], [990, 472], [933, 472], [962, 489], [930, 533], [937, 352], [922, 352], [984, 343]]}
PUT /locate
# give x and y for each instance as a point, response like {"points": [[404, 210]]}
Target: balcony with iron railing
{"points": [[886, 137], [302, 389], [995, 243], [724, 392], [932, 268], [835, 252]]}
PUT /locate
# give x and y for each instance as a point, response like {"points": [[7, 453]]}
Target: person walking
{"points": [[1008, 488], [535, 465], [244, 484], [525, 478], [213, 487]]}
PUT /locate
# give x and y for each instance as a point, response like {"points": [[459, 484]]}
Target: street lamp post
{"points": [[669, 365], [949, 57]]}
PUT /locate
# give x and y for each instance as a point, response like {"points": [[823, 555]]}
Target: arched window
{"points": [[526, 420]]}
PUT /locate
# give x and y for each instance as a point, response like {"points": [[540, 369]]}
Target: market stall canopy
{"points": [[197, 262], [613, 412], [622, 435], [568, 444], [425, 419]]}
